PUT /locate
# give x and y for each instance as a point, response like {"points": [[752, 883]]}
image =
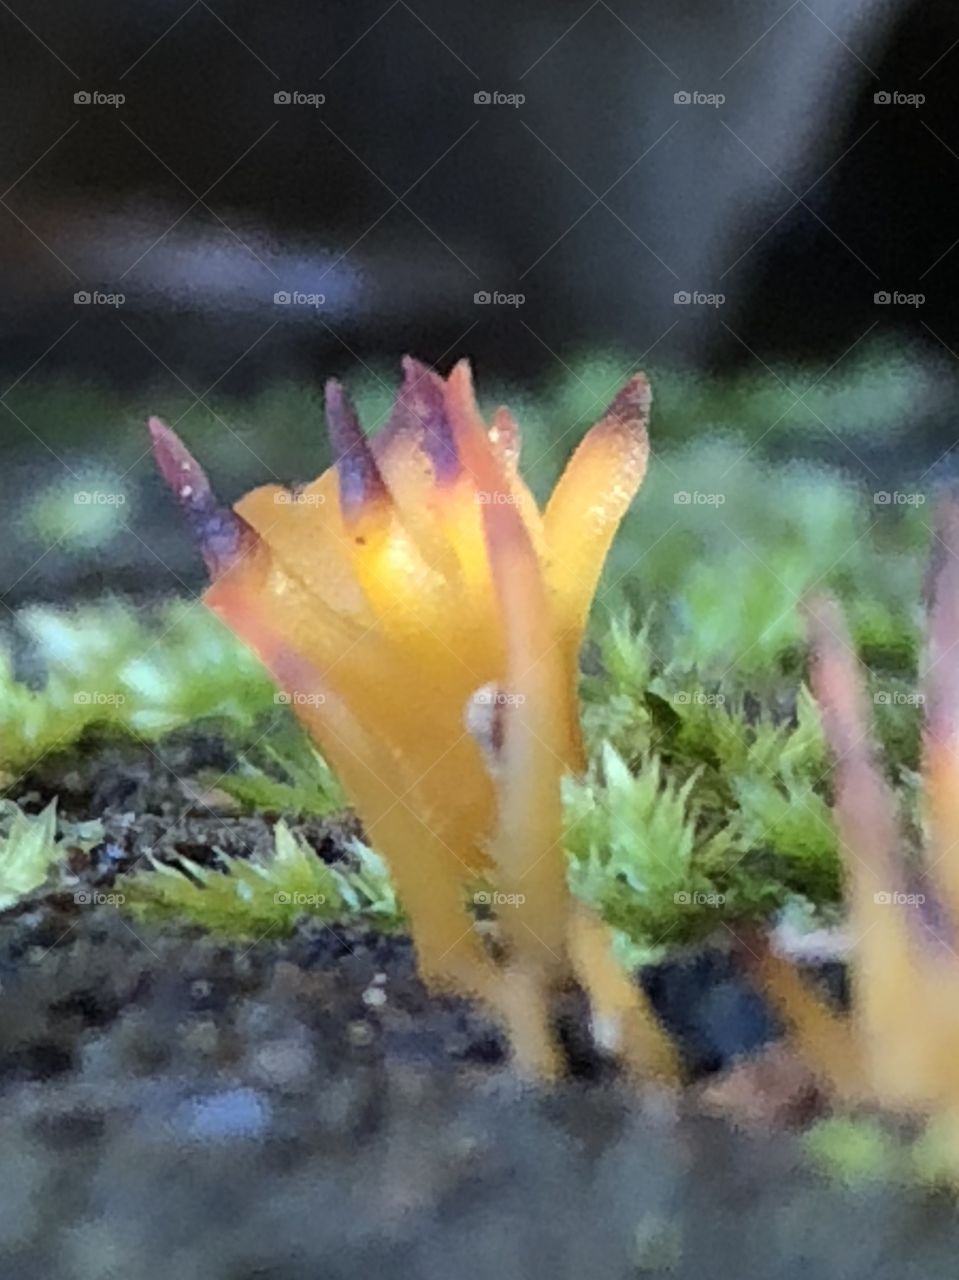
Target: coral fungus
{"points": [[424, 618], [898, 1048]]}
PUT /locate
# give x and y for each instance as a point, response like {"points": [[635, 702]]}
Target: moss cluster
{"points": [[703, 804]]}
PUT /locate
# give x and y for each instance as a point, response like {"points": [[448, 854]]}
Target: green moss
{"points": [[284, 774], [264, 895], [703, 805]]}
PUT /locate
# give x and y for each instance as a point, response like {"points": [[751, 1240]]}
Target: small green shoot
{"points": [[30, 850]]}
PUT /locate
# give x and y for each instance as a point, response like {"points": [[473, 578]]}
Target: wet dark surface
{"points": [[172, 1103], [177, 1106]]}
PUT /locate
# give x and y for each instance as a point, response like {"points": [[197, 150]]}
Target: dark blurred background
{"points": [[599, 197], [206, 200]]}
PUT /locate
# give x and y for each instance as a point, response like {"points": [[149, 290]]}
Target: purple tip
{"points": [[632, 402], [421, 409], [221, 533], [360, 478]]}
